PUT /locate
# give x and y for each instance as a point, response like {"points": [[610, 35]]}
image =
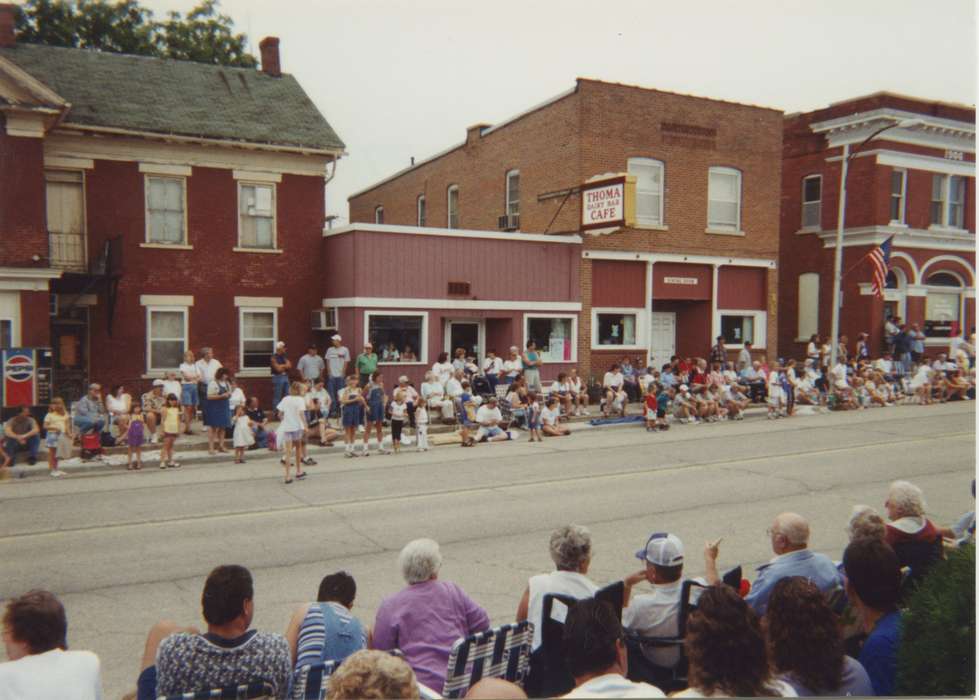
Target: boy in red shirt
{"points": [[651, 409]]}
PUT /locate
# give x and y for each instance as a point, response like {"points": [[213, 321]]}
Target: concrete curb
{"points": [[115, 459]]}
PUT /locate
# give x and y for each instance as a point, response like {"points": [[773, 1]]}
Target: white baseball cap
{"points": [[684, 387], [662, 549], [158, 382], [336, 337]]}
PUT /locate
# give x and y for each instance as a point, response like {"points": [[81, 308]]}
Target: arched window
{"points": [[378, 215], [943, 305], [421, 210], [891, 280]]}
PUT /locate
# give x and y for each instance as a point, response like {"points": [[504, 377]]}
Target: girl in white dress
{"points": [[243, 437]]}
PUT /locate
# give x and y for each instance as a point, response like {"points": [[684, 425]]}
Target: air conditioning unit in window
{"points": [[325, 319], [509, 222]]}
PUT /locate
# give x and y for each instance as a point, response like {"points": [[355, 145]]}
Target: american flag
{"points": [[880, 259]]}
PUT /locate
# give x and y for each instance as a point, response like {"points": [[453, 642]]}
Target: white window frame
{"points": [[84, 186], [378, 215], [421, 210], [185, 310], [803, 334], [421, 351], [574, 334], [818, 202], [760, 326], [448, 206], [646, 222], [510, 202], [146, 209], [242, 310], [641, 313], [275, 217], [721, 227], [902, 211], [947, 203]]}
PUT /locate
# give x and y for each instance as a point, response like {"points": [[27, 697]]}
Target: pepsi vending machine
{"points": [[26, 381]]}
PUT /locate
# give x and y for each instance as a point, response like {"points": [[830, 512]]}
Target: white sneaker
{"points": [[57, 473], [585, 412], [154, 439]]}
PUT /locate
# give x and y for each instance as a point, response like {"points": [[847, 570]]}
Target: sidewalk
{"points": [[192, 449]]}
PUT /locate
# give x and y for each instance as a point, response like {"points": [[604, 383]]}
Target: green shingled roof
{"points": [[177, 97]]}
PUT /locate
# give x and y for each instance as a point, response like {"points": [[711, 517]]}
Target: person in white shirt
{"points": [[550, 418], [596, 654], [171, 385], [311, 365], [292, 408], [492, 367], [512, 366], [570, 547], [453, 385], [190, 379], [489, 418], [615, 395], [561, 389], [579, 392], [237, 397], [433, 393], [410, 397], [207, 366], [35, 628], [442, 368]]}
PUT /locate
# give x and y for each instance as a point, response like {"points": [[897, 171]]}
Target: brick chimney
{"points": [[269, 46], [8, 13], [475, 132]]}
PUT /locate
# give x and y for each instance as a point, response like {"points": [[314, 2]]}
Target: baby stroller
{"points": [[480, 385]]}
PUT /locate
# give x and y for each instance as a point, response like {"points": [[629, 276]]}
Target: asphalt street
{"points": [[123, 550]]}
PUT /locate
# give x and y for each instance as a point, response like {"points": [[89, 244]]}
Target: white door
{"points": [[662, 337]]}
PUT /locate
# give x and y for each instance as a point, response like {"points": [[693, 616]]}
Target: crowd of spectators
{"points": [[322, 399], [783, 634]]}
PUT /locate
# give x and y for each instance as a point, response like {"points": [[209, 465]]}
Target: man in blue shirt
{"points": [[790, 542], [873, 586]]}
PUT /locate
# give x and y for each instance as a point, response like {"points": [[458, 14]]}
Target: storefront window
{"points": [[616, 329], [554, 337], [738, 329], [397, 337]]}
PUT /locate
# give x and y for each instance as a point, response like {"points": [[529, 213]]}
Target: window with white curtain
{"points": [[812, 194], [724, 199], [165, 210], [166, 337], [948, 201], [649, 190], [256, 204]]}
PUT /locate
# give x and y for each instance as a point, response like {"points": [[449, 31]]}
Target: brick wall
{"points": [[22, 207], [211, 272]]}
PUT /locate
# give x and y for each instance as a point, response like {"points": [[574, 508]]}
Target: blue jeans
{"points": [[261, 437], [492, 380], [333, 386], [12, 446], [86, 424], [280, 389]]}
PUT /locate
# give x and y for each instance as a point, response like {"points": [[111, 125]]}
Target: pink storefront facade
{"points": [[422, 291]]}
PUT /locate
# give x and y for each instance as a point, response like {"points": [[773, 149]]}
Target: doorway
{"points": [[662, 337], [69, 343], [466, 334]]}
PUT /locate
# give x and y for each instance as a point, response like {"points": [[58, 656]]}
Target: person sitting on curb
{"points": [[22, 433], [489, 418]]}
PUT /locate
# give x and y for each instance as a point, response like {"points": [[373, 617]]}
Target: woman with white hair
{"points": [[915, 539], [571, 551], [865, 522], [425, 618], [433, 393]]}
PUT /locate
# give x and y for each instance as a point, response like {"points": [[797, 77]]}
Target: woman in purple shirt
{"points": [[425, 618]]}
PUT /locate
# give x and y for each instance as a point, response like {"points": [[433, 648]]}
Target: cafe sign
{"points": [[608, 203]]}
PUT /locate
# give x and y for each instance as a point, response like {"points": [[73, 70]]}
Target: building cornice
{"points": [[678, 258], [453, 233], [930, 131], [940, 239], [27, 279]]}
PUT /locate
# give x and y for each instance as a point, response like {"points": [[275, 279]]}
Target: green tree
{"points": [[205, 35], [938, 631]]}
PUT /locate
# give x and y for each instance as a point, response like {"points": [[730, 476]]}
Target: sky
{"points": [[402, 79]]}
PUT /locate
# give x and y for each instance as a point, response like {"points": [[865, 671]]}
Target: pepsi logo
{"points": [[19, 368]]}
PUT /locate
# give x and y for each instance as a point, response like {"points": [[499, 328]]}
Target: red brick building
{"points": [[699, 259], [151, 206], [914, 182]]}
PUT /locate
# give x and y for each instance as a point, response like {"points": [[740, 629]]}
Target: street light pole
{"points": [[840, 217]]}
